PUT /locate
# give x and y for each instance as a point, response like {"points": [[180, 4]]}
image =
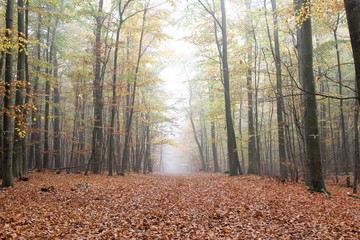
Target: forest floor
{"points": [[199, 206]]}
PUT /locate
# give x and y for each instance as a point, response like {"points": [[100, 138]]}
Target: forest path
{"points": [[198, 206]]}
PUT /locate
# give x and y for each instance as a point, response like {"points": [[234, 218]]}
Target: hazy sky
{"points": [[175, 76]]}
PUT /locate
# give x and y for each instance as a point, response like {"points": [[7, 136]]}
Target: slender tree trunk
{"points": [[28, 92], [147, 156], [97, 138], [344, 146], [241, 137], [82, 132], [252, 168], [113, 106], [200, 148], [35, 151], [356, 148], [213, 136], [279, 95], [75, 141], [46, 157], [336, 165], [57, 115], [2, 58], [235, 168], [213, 147], [125, 157], [20, 120], [323, 120], [7, 176]]}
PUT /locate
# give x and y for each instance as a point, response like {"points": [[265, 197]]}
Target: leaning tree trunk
{"points": [[199, 145], [234, 163], [7, 176], [352, 8]]}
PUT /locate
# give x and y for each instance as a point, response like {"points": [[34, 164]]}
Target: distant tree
{"points": [[233, 156], [97, 139], [131, 103], [122, 18], [35, 157], [279, 95], [254, 163], [191, 117]]}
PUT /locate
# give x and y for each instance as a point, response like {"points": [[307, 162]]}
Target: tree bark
{"points": [[344, 146], [20, 119], [35, 151], [97, 138], [352, 8], [312, 144], [46, 154], [57, 115], [253, 166], [28, 90], [125, 156], [113, 105], [234, 164], [279, 96], [7, 176]]}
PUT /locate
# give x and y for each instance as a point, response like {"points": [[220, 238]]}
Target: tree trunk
{"points": [[344, 146], [20, 120], [312, 144], [213, 147], [201, 151], [57, 115], [97, 138], [125, 157], [28, 91], [113, 105], [352, 8], [356, 149], [7, 176], [241, 136], [253, 168], [235, 168], [35, 151], [279, 96], [46, 157]]}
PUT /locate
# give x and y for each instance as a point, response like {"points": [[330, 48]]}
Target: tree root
{"points": [[353, 196], [326, 192]]}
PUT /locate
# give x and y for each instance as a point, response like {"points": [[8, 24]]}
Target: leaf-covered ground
{"points": [[205, 206]]}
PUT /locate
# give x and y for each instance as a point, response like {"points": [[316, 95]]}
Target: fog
{"points": [[175, 160]]}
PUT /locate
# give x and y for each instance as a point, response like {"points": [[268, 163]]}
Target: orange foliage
{"points": [[205, 206]]}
